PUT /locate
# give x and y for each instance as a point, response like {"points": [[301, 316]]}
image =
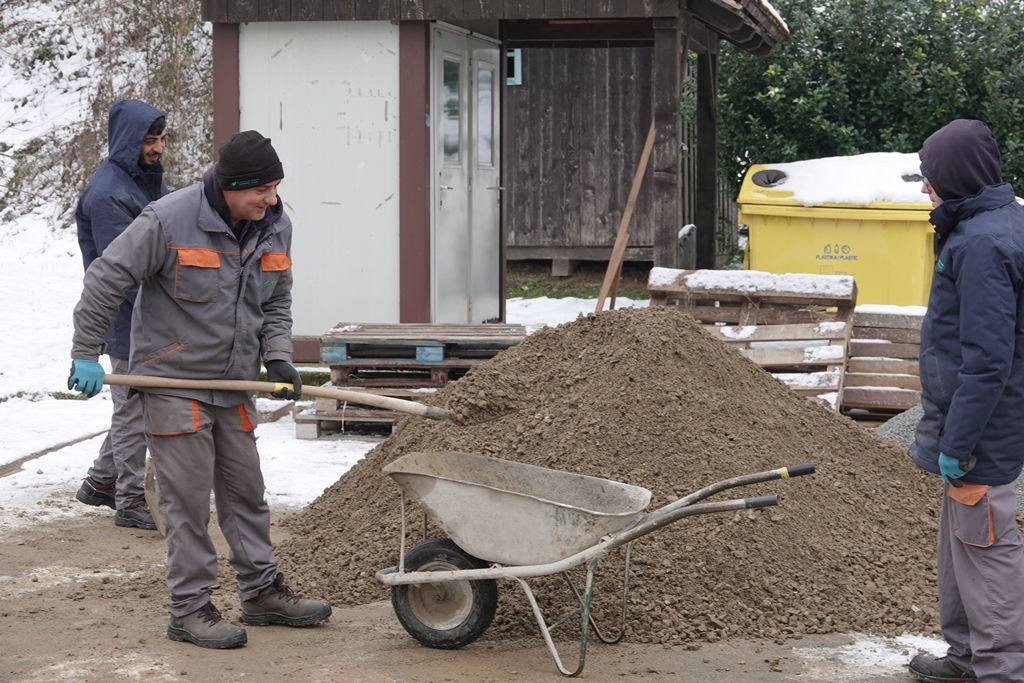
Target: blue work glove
{"points": [[950, 469], [86, 376], [282, 371]]}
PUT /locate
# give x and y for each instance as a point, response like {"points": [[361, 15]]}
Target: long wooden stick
{"points": [[362, 398], [619, 250]]}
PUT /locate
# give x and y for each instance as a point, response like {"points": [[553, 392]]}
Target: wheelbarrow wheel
{"points": [[444, 615]]}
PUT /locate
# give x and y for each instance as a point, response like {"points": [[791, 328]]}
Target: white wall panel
{"points": [[326, 93]]}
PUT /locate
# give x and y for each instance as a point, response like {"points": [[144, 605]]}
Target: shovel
{"points": [[362, 398], [350, 395]]}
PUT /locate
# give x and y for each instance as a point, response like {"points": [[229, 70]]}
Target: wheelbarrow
{"points": [[510, 520]]}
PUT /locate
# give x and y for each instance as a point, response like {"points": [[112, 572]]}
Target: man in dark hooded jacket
{"points": [[972, 431], [130, 178]]}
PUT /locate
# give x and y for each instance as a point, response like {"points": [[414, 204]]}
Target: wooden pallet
{"points": [[353, 425], [336, 418], [406, 375], [396, 360], [882, 373], [797, 327], [412, 344]]}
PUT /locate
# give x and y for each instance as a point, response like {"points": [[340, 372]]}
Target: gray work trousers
{"points": [[981, 581], [198, 447], [122, 457]]}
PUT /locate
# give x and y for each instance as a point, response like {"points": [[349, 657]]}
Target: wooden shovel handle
{"points": [[362, 398]]}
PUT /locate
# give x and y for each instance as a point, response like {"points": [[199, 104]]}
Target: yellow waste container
{"points": [[861, 215]]}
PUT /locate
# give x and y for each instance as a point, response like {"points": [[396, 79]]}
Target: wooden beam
{"points": [[339, 10], [214, 10], [307, 10], [226, 114], [899, 321], [414, 172], [611, 276], [412, 10], [639, 30], [873, 397], [864, 349], [707, 158], [275, 10], [858, 379], [564, 9], [241, 11], [667, 196]]}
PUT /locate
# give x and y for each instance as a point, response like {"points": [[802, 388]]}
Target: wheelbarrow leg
{"points": [[546, 632], [625, 597]]}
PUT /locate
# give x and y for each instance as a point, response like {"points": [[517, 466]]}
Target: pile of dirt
{"points": [[646, 397]]}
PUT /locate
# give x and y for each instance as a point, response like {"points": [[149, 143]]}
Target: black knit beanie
{"points": [[245, 160]]}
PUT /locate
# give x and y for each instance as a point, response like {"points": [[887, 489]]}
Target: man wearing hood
{"points": [[213, 267], [972, 431], [130, 178]]}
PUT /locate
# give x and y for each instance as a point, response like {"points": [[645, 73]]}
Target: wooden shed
{"points": [[420, 137]]}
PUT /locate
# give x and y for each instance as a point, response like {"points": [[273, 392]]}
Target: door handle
{"points": [[496, 187], [445, 187]]}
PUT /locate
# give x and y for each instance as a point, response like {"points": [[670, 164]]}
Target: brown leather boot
{"points": [[206, 628], [278, 604]]}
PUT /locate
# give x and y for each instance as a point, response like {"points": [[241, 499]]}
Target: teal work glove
{"points": [[279, 371], [86, 376], [953, 468]]}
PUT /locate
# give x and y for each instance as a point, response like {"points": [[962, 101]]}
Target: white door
{"points": [[466, 178], [485, 184]]}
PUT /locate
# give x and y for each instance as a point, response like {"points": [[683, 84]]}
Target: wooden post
{"points": [[666, 159], [611, 275], [707, 153]]}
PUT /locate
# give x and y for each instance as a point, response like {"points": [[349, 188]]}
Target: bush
{"points": [[874, 76]]}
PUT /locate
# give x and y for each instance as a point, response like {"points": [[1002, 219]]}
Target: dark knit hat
{"points": [[245, 160]]}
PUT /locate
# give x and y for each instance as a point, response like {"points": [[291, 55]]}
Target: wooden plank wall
{"points": [[574, 132], [236, 11]]}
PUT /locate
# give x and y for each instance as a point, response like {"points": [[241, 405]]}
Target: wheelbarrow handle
{"points": [[798, 470], [743, 480]]}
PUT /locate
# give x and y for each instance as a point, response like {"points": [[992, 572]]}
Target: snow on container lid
{"points": [[880, 180]]}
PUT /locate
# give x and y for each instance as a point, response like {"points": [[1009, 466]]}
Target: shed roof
{"points": [[753, 25]]}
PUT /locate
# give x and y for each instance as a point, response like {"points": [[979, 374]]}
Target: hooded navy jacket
{"points": [[115, 196], [972, 337]]}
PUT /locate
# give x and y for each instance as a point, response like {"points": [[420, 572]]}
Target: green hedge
{"points": [[874, 76]]}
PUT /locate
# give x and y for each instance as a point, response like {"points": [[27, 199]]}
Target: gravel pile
{"points": [[646, 397], [902, 427]]}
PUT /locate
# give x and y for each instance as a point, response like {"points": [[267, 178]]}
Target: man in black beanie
{"points": [[213, 266], [972, 431]]}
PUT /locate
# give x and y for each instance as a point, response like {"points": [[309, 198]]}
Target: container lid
{"points": [[881, 180]]}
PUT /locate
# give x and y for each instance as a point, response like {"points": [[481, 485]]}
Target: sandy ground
{"points": [[78, 602]]}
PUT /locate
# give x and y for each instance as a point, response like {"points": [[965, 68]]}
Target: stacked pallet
{"points": [[795, 326], [408, 361], [882, 374]]}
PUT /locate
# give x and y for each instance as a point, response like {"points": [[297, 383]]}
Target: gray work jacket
{"points": [[208, 308]]}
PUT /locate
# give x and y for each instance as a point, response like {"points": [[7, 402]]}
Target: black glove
{"points": [[281, 371]]}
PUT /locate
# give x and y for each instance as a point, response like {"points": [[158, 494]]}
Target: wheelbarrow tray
{"points": [[512, 513]]}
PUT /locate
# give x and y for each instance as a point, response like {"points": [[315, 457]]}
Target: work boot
{"points": [[136, 515], [941, 670], [206, 628], [91, 492], [277, 604]]}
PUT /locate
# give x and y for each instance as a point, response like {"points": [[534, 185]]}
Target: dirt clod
{"points": [[645, 397]]}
